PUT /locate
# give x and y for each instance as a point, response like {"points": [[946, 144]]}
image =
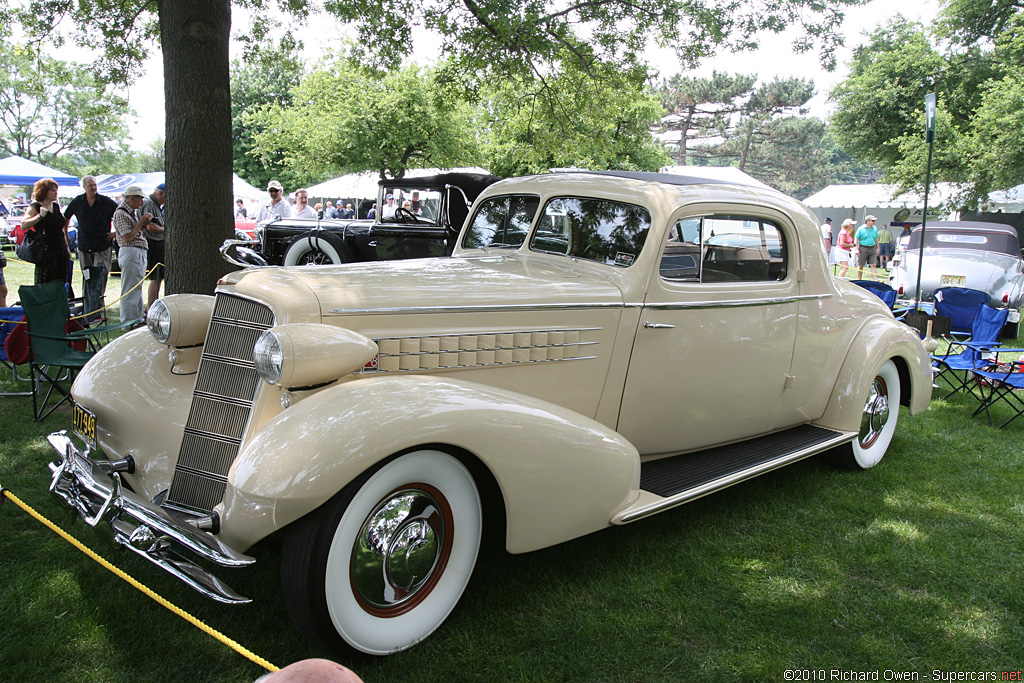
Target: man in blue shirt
{"points": [[866, 242]]}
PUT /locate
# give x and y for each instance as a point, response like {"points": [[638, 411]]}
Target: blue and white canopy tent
{"points": [[16, 170], [113, 185]]}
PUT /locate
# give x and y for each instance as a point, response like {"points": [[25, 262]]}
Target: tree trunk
{"points": [[194, 35], [685, 136]]}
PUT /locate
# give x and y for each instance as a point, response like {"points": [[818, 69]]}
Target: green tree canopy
{"points": [[50, 108], [701, 109], [595, 118], [266, 76], [348, 118], [483, 41], [977, 72]]}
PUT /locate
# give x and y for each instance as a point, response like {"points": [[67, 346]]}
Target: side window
{"points": [[593, 229], [723, 248], [502, 222]]}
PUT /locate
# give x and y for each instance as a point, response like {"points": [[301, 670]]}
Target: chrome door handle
{"points": [[658, 326]]}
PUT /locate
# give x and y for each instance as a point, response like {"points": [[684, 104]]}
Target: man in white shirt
{"points": [[278, 207], [389, 207], [302, 208], [826, 235]]}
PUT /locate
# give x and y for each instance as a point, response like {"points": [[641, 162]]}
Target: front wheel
{"points": [[877, 424], [382, 564]]}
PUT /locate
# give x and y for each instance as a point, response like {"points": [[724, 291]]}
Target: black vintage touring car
{"points": [[415, 218]]}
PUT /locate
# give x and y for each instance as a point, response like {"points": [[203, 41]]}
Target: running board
{"points": [[668, 482]]}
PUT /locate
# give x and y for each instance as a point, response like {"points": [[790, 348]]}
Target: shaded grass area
{"points": [[913, 565]]}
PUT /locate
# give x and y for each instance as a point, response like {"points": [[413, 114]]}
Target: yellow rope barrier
{"points": [[86, 315], [152, 594]]}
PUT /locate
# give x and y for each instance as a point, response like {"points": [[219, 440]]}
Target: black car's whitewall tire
{"points": [[878, 422], [379, 567], [316, 248]]}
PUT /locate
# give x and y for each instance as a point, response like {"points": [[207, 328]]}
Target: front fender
{"points": [[141, 404], [561, 474], [878, 340]]}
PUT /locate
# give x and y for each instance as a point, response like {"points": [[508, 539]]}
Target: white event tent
{"points": [[840, 202]]}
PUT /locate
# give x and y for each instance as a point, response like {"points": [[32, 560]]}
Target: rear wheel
{"points": [[317, 247], [877, 424], [382, 564]]}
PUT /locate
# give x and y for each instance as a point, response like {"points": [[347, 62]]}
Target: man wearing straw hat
{"points": [[132, 251]]}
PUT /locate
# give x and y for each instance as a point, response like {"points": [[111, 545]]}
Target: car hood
{"points": [[436, 284]]}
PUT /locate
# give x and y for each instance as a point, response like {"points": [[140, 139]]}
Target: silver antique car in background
{"points": [[601, 347], [982, 256]]}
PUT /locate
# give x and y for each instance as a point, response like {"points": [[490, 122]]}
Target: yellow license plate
{"points": [[953, 280], [83, 423]]}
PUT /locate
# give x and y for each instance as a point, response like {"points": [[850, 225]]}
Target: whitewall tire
{"points": [[379, 567], [878, 422]]}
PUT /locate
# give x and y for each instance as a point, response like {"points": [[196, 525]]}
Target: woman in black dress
{"points": [[52, 253]]}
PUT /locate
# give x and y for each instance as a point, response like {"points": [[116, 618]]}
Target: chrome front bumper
{"points": [[242, 254], [129, 521]]}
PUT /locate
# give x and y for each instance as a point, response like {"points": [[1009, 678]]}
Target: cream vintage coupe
{"points": [[600, 347]]}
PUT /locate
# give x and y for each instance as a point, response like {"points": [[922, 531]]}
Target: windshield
{"points": [[422, 202], [939, 238], [502, 222]]}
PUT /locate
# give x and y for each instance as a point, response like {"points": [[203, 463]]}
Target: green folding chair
{"points": [[55, 354]]}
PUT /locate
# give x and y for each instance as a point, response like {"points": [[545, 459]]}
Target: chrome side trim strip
{"points": [[485, 308], [481, 308], [738, 302], [735, 478]]}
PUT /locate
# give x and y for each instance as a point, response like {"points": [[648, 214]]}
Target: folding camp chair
{"points": [[960, 305], [54, 351], [880, 289], [1002, 385], [10, 318], [985, 328]]}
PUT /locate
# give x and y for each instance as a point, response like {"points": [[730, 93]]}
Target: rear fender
{"points": [[877, 341], [561, 474]]}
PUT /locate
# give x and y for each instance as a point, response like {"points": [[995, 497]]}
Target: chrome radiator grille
{"points": [[225, 389]]}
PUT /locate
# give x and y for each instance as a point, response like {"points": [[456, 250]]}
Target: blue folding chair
{"points": [[960, 305], [984, 331], [880, 289], [1002, 386]]}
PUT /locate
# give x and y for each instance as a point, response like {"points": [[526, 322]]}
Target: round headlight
{"points": [[158, 320], [268, 357]]}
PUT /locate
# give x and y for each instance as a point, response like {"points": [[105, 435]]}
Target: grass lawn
{"points": [[913, 566]]}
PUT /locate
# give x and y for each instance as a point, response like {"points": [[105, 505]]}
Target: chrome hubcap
{"points": [[876, 413], [401, 551]]}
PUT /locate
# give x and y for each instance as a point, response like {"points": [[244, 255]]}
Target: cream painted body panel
{"points": [[140, 406], [533, 449]]}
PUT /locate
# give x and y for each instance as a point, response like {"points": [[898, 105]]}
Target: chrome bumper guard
{"points": [[129, 521]]}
